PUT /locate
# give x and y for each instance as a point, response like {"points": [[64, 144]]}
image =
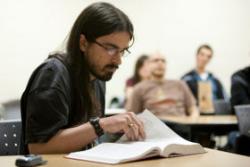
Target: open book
{"points": [[160, 141]]}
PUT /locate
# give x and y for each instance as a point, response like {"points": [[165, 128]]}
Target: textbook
{"points": [[160, 141]]}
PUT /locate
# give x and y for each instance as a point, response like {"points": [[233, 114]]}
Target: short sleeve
{"points": [[46, 103], [47, 113]]}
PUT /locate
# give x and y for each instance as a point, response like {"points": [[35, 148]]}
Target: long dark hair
{"points": [[139, 63], [96, 20]]}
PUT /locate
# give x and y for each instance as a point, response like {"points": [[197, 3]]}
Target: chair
{"points": [[242, 145], [243, 116], [222, 107], [10, 137]]}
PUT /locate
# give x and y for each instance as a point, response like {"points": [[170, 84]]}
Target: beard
{"points": [[158, 74], [104, 74]]}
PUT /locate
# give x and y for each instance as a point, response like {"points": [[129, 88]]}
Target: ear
{"points": [[83, 43]]}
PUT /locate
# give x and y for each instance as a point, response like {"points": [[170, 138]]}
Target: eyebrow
{"points": [[115, 46], [159, 59]]}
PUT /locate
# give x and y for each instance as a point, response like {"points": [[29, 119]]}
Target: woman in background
{"points": [[141, 72]]}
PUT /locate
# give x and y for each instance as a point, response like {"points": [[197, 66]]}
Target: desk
{"points": [[203, 120], [212, 158], [213, 124]]}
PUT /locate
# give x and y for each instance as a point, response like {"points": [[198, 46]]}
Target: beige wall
{"points": [[30, 29]]}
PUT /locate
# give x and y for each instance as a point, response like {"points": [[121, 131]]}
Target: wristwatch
{"points": [[95, 123]]}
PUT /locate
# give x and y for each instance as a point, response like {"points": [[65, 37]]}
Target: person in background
{"points": [[141, 72], [240, 87], [62, 107], [162, 96], [204, 55], [240, 95]]}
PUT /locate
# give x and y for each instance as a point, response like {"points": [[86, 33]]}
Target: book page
{"points": [[161, 135], [114, 153], [154, 128]]}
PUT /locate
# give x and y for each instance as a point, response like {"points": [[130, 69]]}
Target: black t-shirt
{"points": [[46, 104]]}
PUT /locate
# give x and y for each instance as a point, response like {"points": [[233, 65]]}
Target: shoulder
{"points": [[211, 75], [143, 85], [51, 73], [54, 65], [241, 76], [188, 76], [242, 73], [179, 83]]}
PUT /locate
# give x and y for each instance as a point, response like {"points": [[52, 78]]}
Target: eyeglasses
{"points": [[113, 50]]}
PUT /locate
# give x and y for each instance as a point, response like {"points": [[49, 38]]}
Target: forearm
{"points": [[75, 138], [65, 141]]}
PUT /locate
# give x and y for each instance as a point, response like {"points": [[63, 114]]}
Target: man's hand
{"points": [[128, 123]]}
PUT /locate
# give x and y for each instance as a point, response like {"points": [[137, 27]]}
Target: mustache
{"points": [[112, 66]]}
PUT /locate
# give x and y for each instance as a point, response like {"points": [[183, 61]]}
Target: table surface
{"points": [[202, 120], [212, 158]]}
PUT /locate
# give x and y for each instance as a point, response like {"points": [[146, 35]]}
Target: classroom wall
{"points": [[29, 30]]}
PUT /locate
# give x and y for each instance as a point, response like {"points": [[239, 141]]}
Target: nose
{"points": [[117, 59]]}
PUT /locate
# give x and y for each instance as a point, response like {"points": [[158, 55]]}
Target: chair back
{"points": [[243, 116], [10, 137]]}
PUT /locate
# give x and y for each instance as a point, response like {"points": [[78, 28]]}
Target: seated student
{"points": [[141, 73], [240, 95], [63, 105], [162, 96], [200, 75]]}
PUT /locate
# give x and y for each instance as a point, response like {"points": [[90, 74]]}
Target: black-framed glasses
{"points": [[113, 50]]}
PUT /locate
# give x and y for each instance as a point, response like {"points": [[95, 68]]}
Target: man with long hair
{"points": [[63, 104]]}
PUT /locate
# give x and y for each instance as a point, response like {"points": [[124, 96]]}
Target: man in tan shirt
{"points": [[161, 96]]}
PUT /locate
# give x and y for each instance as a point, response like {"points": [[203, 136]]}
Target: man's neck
{"points": [[145, 78], [200, 70]]}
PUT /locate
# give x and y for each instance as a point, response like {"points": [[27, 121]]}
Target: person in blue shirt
{"points": [[203, 57]]}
